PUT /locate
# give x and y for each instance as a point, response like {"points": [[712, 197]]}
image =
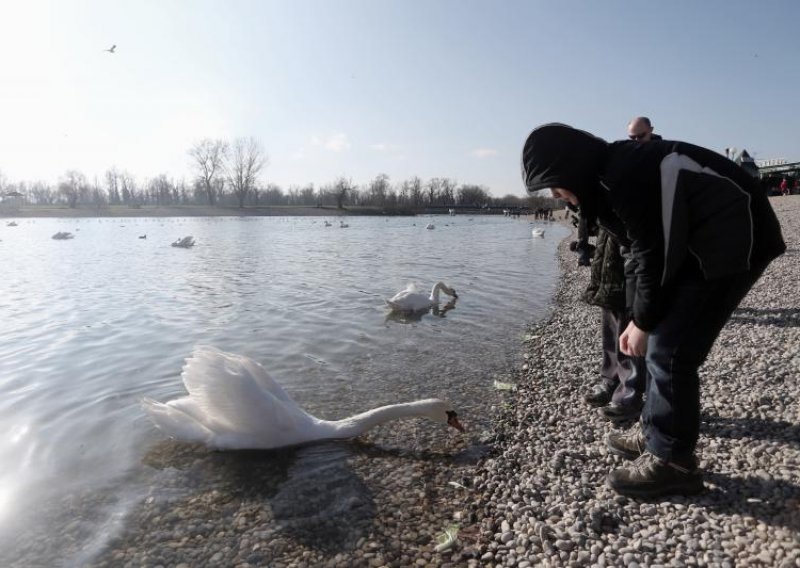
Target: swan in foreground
{"points": [[234, 404], [185, 242], [411, 300], [538, 232]]}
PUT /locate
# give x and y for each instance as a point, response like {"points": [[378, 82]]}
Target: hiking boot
{"points": [[601, 394], [616, 412], [628, 445], [650, 476]]}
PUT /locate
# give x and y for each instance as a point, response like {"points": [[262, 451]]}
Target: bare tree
{"points": [[42, 193], [414, 187], [246, 160], [378, 190], [447, 192], [209, 160], [341, 188], [73, 186], [273, 195], [473, 195], [112, 185], [434, 188]]}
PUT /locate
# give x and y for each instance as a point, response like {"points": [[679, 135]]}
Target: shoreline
{"points": [[43, 212], [528, 491]]}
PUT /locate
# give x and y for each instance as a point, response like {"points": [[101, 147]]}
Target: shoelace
{"points": [[647, 461]]}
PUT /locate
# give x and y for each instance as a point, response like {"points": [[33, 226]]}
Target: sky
{"points": [[359, 88]]}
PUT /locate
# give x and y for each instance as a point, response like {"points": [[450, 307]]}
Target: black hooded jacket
{"points": [[666, 200]]}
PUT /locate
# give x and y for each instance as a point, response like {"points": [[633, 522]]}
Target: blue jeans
{"points": [[696, 313]]}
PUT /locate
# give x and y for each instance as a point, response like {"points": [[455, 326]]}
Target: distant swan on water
{"points": [[411, 300], [234, 404], [185, 242], [538, 232]]}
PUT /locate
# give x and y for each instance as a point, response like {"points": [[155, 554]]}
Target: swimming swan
{"points": [[185, 242], [234, 404], [538, 232], [410, 300]]}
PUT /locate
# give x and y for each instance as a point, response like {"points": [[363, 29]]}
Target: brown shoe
{"points": [[628, 445], [650, 476]]}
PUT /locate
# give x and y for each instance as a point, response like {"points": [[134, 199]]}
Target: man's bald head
{"points": [[640, 129]]}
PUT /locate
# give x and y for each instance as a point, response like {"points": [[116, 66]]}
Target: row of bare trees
{"points": [[227, 174]]}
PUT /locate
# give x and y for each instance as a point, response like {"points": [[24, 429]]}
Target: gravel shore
{"points": [[544, 495], [525, 486]]}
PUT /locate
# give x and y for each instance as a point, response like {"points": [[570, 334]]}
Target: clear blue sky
{"points": [[361, 87]]}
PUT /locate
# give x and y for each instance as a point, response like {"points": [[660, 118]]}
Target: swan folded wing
{"points": [[231, 393], [175, 422], [409, 299]]}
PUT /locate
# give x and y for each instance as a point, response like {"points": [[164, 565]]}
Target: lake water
{"points": [[91, 325]]}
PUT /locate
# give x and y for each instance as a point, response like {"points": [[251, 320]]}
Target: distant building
{"points": [[11, 201], [772, 172]]}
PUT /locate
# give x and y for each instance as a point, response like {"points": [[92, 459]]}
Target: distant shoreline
{"points": [[194, 211]]}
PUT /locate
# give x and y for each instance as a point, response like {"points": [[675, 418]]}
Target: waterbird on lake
{"points": [[62, 236], [430, 226], [538, 232], [111, 49], [142, 236], [412, 300], [185, 242], [234, 404]]}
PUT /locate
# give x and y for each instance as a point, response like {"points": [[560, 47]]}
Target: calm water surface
{"points": [[91, 325]]}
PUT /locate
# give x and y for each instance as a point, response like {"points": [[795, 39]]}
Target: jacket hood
{"points": [[557, 155]]}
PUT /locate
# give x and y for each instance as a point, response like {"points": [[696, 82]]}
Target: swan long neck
{"points": [[438, 287], [360, 423]]}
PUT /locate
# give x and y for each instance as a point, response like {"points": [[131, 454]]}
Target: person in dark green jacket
{"points": [[620, 390]]}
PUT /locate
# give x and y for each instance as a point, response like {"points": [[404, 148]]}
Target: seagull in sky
{"points": [[111, 49]]}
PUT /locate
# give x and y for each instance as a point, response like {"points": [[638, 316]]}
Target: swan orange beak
{"points": [[452, 420]]}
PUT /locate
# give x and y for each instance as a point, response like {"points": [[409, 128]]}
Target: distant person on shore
{"points": [[784, 187], [620, 391], [692, 260]]}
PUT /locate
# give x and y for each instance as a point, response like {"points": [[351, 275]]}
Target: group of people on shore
{"points": [[683, 233]]}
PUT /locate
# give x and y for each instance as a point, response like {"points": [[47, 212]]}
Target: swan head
{"points": [[441, 411], [442, 287]]}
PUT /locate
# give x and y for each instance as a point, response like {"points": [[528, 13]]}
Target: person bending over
{"points": [[700, 233]]}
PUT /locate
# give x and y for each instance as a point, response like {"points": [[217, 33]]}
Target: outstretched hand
{"points": [[633, 341]]}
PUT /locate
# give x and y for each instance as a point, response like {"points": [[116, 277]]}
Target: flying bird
{"points": [[111, 49]]}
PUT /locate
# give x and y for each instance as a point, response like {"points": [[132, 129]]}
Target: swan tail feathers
{"points": [[175, 422]]}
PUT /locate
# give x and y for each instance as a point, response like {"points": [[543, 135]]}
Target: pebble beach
{"points": [[526, 487], [544, 495]]}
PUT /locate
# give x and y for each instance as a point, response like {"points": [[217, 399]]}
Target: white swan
{"points": [[538, 232], [234, 404], [430, 226], [411, 300], [185, 242]]}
